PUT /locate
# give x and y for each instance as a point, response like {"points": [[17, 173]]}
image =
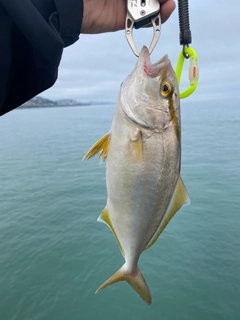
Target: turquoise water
{"points": [[53, 252]]}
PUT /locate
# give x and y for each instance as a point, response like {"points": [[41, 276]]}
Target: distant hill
{"points": [[39, 102]]}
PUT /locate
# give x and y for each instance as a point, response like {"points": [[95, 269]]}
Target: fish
{"points": [[143, 161]]}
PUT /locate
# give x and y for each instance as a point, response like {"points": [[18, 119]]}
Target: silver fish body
{"points": [[143, 151]]}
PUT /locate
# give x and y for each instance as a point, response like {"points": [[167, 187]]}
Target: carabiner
{"points": [[193, 71]]}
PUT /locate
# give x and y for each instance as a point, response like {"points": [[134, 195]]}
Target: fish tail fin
{"points": [[135, 279]]}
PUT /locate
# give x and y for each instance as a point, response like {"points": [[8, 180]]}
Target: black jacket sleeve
{"points": [[33, 34]]}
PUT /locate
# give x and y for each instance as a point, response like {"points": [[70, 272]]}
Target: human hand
{"points": [[109, 15]]}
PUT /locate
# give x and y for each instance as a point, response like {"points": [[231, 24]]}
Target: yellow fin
{"points": [[137, 147], [180, 198], [104, 217], [135, 279], [101, 145]]}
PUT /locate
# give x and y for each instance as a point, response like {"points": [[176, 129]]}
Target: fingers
{"points": [[167, 7]]}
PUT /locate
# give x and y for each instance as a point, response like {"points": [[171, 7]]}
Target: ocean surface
{"points": [[53, 252]]}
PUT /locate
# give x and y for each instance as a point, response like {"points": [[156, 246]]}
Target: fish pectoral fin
{"points": [[135, 279], [137, 146], [105, 218], [101, 145], [179, 199]]}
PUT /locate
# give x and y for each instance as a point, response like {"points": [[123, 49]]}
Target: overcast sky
{"points": [[93, 68]]}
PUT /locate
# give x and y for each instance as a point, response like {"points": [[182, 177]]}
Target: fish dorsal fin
{"points": [[137, 146], [101, 145], [179, 199], [104, 217]]}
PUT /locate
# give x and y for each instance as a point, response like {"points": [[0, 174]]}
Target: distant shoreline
{"points": [[63, 106], [54, 106], [39, 102]]}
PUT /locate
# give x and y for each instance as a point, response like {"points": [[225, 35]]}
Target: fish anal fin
{"points": [[180, 198], [135, 279], [137, 146], [102, 145], [104, 217]]}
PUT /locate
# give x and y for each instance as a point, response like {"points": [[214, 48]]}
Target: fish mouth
{"points": [[152, 69]]}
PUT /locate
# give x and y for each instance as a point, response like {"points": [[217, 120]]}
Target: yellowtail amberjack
{"points": [[143, 151]]}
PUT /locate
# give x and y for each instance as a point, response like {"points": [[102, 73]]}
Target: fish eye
{"points": [[165, 89]]}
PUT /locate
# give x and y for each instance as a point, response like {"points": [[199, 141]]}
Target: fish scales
{"points": [[146, 182]]}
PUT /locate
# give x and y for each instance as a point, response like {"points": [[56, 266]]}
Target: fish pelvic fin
{"points": [[105, 218], [179, 199], [135, 279], [102, 145]]}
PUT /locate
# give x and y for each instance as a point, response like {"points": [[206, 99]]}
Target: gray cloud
{"points": [[93, 68]]}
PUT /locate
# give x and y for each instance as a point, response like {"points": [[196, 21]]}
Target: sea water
{"points": [[53, 252]]}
